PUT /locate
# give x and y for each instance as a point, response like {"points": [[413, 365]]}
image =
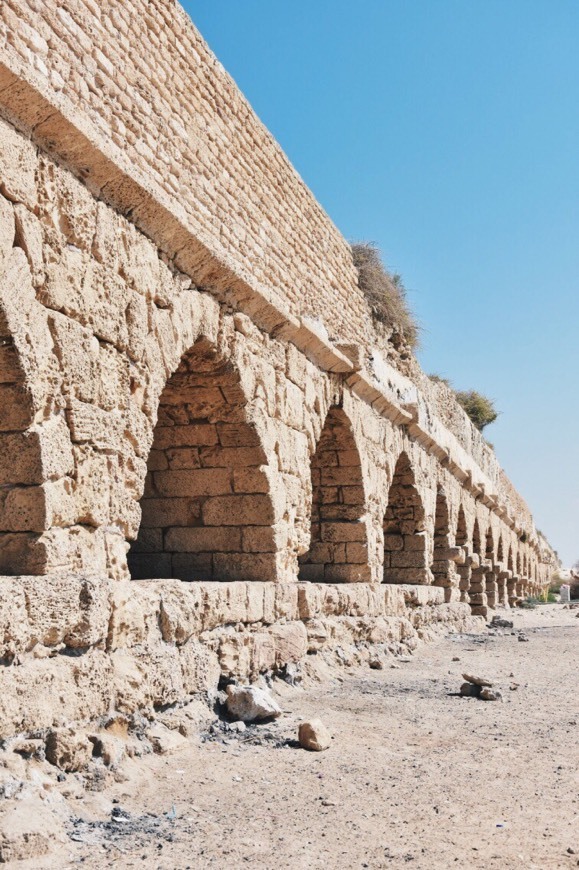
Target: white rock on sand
{"points": [[251, 704]]}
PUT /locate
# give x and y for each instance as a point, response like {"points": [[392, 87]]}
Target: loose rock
{"points": [[314, 735], [470, 690], [490, 694], [251, 704], [476, 681]]}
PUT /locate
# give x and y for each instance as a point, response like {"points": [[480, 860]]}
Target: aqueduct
{"points": [[195, 395]]}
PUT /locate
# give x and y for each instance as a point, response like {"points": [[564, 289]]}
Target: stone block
{"points": [[18, 163], [343, 532], [193, 482], [238, 510], [203, 539]]}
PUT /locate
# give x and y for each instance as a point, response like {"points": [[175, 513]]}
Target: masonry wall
{"points": [[126, 389], [129, 96], [148, 221]]}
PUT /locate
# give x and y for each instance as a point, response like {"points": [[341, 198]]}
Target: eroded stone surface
{"points": [[193, 389]]}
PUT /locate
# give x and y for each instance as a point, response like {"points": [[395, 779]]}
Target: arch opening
{"points": [[207, 513], [338, 546], [22, 496], [405, 545]]}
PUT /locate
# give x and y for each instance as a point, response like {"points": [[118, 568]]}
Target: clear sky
{"points": [[446, 131]]}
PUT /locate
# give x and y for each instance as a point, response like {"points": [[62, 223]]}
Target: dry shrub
{"points": [[385, 293], [479, 408]]}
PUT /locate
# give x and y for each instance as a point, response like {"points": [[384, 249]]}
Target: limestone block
{"points": [[202, 538], [180, 615], [201, 482], [317, 634], [42, 693], [344, 532], [290, 641], [200, 668], [310, 598], [347, 573], [29, 238], [236, 651], [286, 601], [149, 675], [10, 368], [7, 229], [134, 616], [14, 627], [66, 609], [18, 162], [24, 509]]}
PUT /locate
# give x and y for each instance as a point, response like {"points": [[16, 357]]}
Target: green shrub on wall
{"points": [[479, 408]]}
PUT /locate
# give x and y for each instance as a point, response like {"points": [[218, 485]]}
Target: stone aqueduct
{"points": [[192, 385]]}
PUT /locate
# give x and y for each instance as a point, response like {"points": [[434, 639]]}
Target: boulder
{"points": [[314, 735], [251, 704]]}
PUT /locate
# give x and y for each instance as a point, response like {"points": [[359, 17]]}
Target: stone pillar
{"points": [[464, 574], [478, 596], [503, 580], [445, 572], [512, 589], [492, 588]]}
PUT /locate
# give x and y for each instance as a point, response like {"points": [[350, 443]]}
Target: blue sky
{"points": [[446, 131]]}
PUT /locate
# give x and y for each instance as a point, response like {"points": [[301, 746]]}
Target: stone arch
{"points": [[405, 544], [338, 549], [207, 513]]}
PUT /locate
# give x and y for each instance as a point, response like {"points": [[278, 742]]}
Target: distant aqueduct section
{"points": [[192, 385]]}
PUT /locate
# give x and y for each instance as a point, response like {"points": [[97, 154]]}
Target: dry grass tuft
{"points": [[385, 293]]}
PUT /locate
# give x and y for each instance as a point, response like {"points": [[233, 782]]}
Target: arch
{"points": [[34, 440], [510, 560], [207, 512], [461, 536], [405, 558], [338, 544]]}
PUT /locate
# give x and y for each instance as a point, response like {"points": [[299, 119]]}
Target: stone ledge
{"points": [[82, 647]]}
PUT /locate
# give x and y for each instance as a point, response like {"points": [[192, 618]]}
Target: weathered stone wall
{"points": [[191, 389], [80, 648], [111, 352]]}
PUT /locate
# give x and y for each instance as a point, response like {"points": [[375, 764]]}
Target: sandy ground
{"points": [[416, 776]]}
